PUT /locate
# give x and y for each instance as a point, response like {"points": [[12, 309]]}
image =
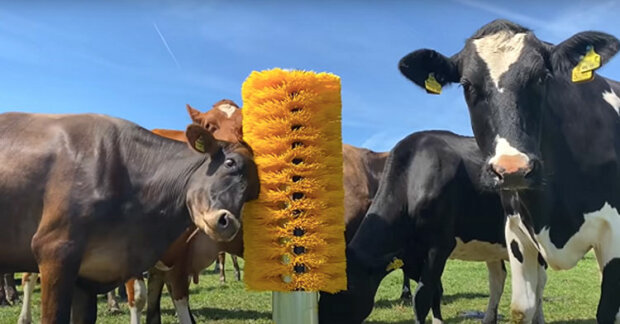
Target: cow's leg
{"points": [[524, 270], [155, 287], [9, 287], [3, 300], [83, 307], [436, 306], [539, 316], [178, 280], [29, 280], [430, 282], [236, 266], [221, 259], [113, 302], [405, 295], [58, 265], [136, 298], [497, 277], [608, 257]]}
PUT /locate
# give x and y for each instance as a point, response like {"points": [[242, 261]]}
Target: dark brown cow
{"points": [[90, 201]]}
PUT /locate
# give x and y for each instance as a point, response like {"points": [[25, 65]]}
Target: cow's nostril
{"points": [[222, 221], [497, 171], [532, 168]]}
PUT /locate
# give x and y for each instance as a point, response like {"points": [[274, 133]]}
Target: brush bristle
{"points": [[294, 233]]}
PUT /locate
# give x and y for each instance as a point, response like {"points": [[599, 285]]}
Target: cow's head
{"points": [[223, 120], [353, 305], [220, 186], [506, 74]]}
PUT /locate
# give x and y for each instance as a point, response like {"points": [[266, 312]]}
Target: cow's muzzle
{"points": [[221, 225]]}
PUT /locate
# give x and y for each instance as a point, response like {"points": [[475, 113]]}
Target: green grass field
{"points": [[570, 297]]}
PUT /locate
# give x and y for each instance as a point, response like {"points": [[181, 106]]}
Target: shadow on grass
{"points": [[228, 314], [447, 299]]}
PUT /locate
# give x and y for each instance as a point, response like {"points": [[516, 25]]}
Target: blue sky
{"points": [[144, 60]]}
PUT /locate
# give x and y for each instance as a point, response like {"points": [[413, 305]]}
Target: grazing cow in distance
{"points": [[90, 201], [549, 131]]}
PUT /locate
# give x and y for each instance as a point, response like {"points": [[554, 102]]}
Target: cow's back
{"points": [[362, 170]]}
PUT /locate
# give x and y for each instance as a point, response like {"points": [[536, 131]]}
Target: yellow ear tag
{"points": [[199, 144], [431, 85], [584, 70], [395, 264], [579, 77]]}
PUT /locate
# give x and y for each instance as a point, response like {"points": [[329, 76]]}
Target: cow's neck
{"points": [[578, 150], [160, 170]]}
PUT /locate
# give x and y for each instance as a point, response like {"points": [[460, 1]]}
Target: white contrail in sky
{"points": [[163, 40]]}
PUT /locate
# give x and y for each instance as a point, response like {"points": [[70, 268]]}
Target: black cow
{"points": [[430, 206], [90, 201], [551, 145]]}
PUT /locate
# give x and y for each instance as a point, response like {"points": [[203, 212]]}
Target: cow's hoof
{"points": [[238, 276], [406, 296], [114, 309], [3, 302]]}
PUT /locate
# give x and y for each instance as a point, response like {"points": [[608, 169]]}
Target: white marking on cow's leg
{"points": [[182, 308], [135, 310], [228, 109], [25, 317], [497, 277], [499, 51], [524, 273], [504, 149], [134, 315], [539, 315], [612, 98], [437, 321]]}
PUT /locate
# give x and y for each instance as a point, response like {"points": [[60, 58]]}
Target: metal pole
{"points": [[295, 307]]}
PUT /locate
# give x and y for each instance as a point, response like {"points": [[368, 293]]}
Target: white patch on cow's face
{"points": [[601, 230], [228, 109], [503, 148], [612, 98], [182, 308], [475, 250], [499, 51]]}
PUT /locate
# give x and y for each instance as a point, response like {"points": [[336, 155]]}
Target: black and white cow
{"points": [[430, 206], [551, 145]]}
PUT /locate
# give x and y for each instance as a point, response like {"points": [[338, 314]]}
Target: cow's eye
{"points": [[544, 77], [230, 163], [466, 84]]}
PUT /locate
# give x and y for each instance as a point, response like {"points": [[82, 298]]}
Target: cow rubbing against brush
{"points": [[90, 200]]}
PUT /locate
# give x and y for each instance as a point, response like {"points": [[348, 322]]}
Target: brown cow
{"points": [[90, 201]]}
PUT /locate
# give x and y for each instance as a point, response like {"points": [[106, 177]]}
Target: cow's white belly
{"points": [[600, 230], [478, 251]]}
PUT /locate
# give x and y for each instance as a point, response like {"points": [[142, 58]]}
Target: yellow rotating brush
{"points": [[294, 233]]}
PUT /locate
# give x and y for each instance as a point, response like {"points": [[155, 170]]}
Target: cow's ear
{"points": [[193, 114], [566, 55], [201, 140], [419, 65]]}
